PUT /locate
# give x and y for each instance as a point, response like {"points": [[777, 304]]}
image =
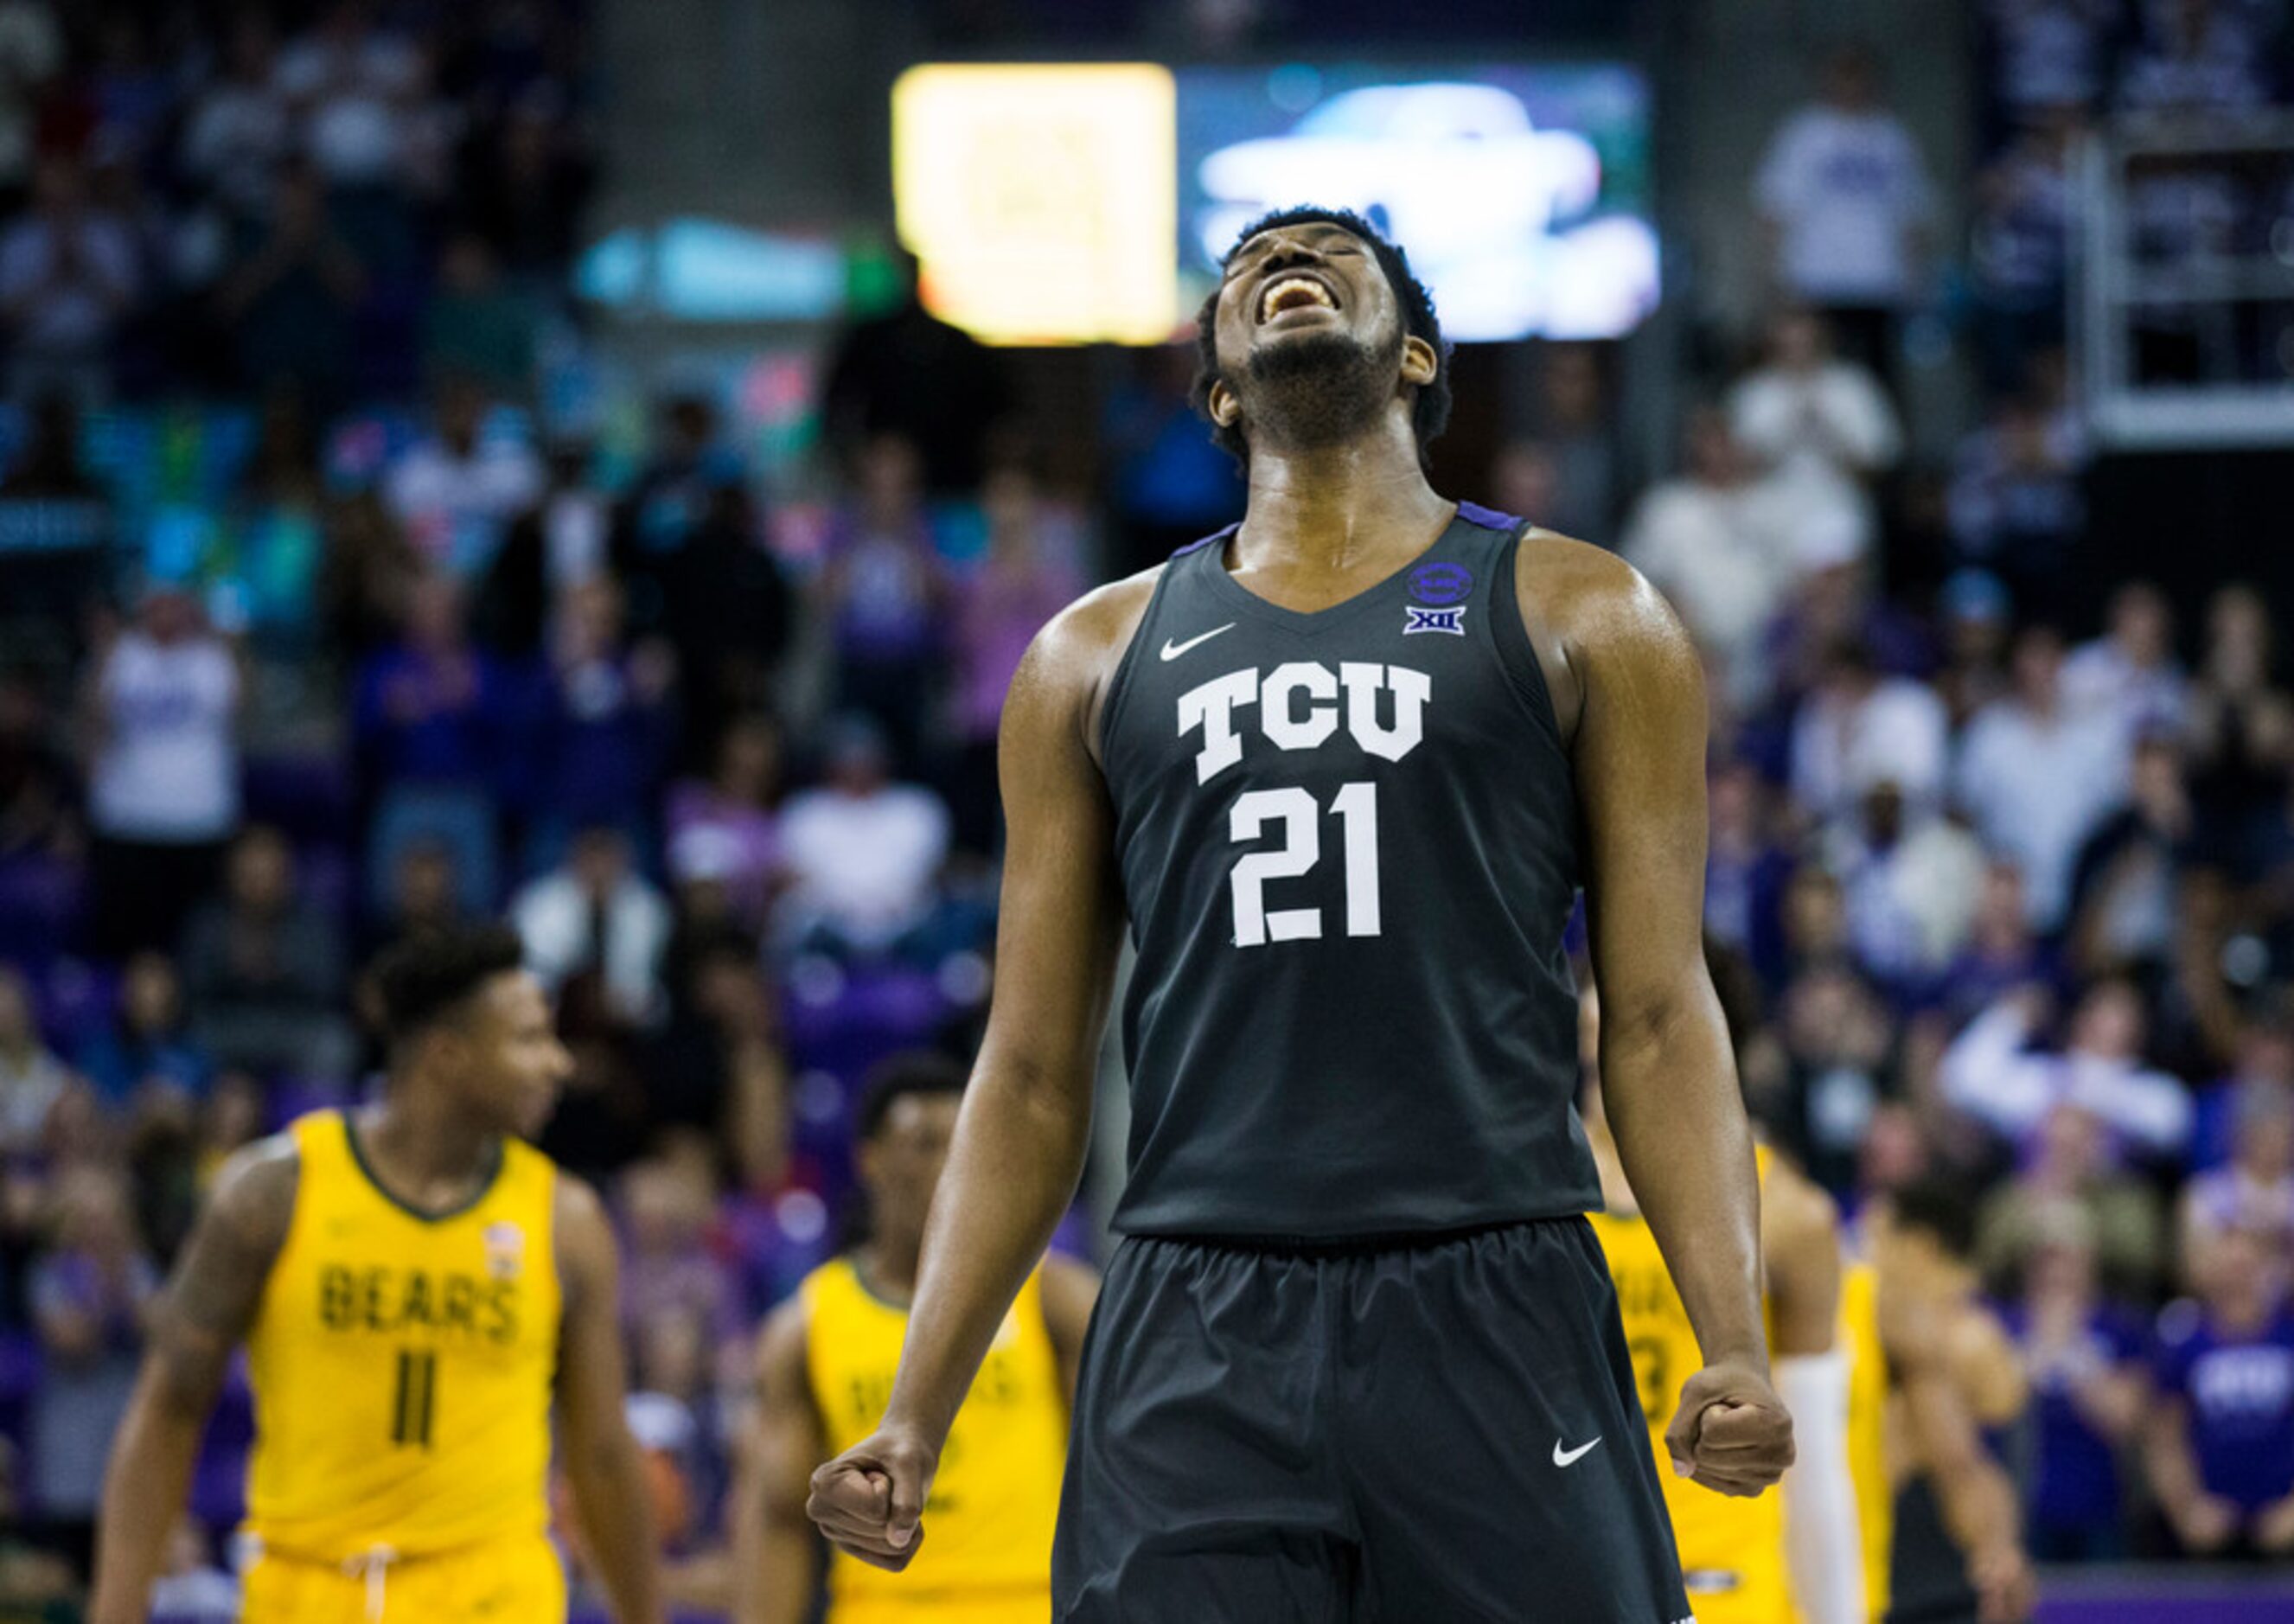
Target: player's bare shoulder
{"points": [[253, 1196], [1592, 616], [1073, 659]]}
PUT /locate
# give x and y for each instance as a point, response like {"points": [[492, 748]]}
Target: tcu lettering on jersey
{"points": [[1300, 707]]}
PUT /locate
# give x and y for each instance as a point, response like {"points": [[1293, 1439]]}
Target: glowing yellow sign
{"points": [[1042, 201]]}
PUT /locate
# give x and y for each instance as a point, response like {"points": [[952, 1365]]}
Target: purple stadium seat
{"points": [[41, 903]]}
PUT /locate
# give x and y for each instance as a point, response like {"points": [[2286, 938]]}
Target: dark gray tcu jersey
{"points": [[1348, 845]]}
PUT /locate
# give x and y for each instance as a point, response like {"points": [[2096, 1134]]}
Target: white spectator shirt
{"points": [[1843, 748], [2100, 679], [1834, 419], [553, 916], [28, 1091], [168, 767], [1845, 189], [234, 142], [1721, 557], [67, 316], [865, 865], [352, 102], [455, 507], [1989, 1075], [2037, 788], [1911, 907]]}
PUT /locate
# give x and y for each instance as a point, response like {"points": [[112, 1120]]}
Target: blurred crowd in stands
{"points": [[352, 646]]}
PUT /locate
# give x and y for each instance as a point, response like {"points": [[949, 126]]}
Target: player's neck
{"points": [[889, 1270], [425, 1150], [1333, 507]]}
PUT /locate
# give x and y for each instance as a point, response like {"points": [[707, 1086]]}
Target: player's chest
{"points": [[474, 1286]]}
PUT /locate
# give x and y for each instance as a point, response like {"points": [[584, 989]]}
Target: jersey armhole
{"points": [[1516, 654], [1119, 686]]}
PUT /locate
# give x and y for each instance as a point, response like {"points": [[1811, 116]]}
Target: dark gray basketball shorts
{"points": [[1411, 1435]]}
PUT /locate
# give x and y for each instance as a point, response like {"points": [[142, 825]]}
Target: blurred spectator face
{"points": [[298, 209], [889, 479], [1815, 916], [261, 879], [666, 1209], [1526, 480], [2244, 1275], [2072, 1145], [2109, 1021], [672, 1356], [900, 1167], [435, 621], [1798, 340], [749, 760], [461, 413], [859, 764], [16, 1030], [1008, 500], [59, 186], [2141, 625], [1571, 382], [1714, 455], [1884, 815], [426, 889], [600, 860], [2062, 1266], [1736, 802], [249, 55], [1851, 82], [232, 1115], [92, 1212], [2263, 1142], [2238, 639], [590, 618], [169, 615], [1999, 906], [149, 997], [689, 428], [2155, 776], [2023, 442], [467, 267], [2038, 667]]}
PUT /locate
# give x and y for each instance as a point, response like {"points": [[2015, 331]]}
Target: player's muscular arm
{"points": [[208, 1306], [1631, 696], [1976, 1499], [602, 1462], [772, 1543], [1020, 1140]]}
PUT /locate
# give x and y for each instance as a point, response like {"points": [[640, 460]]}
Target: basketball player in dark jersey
{"points": [[1343, 769]]}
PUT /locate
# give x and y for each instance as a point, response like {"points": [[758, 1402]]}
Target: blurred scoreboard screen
{"points": [[1091, 203], [1041, 200]]}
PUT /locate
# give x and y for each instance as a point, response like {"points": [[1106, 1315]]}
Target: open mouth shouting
{"points": [[1295, 291]]}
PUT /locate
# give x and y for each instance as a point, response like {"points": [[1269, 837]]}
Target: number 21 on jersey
{"points": [[1294, 811]]}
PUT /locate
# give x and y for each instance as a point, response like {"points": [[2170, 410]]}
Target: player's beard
{"points": [[1318, 390]]}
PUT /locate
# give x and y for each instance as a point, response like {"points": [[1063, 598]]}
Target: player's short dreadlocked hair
{"points": [[425, 979], [1429, 412]]}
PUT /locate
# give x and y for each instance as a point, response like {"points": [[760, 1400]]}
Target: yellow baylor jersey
{"points": [[1732, 1557], [1867, 1429], [404, 1366], [998, 1494]]}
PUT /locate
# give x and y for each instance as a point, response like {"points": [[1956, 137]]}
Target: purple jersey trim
{"points": [[1488, 518], [1207, 541]]}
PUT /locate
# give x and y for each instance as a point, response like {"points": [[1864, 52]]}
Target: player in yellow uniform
{"points": [[1868, 1427], [825, 1362], [1745, 1560], [417, 1289]]}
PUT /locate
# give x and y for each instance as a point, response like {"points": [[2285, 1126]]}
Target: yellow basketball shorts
{"points": [[503, 1581], [1759, 1596]]}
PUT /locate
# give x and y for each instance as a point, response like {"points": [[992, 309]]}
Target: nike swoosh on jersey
{"points": [[1570, 1457], [1171, 651]]}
